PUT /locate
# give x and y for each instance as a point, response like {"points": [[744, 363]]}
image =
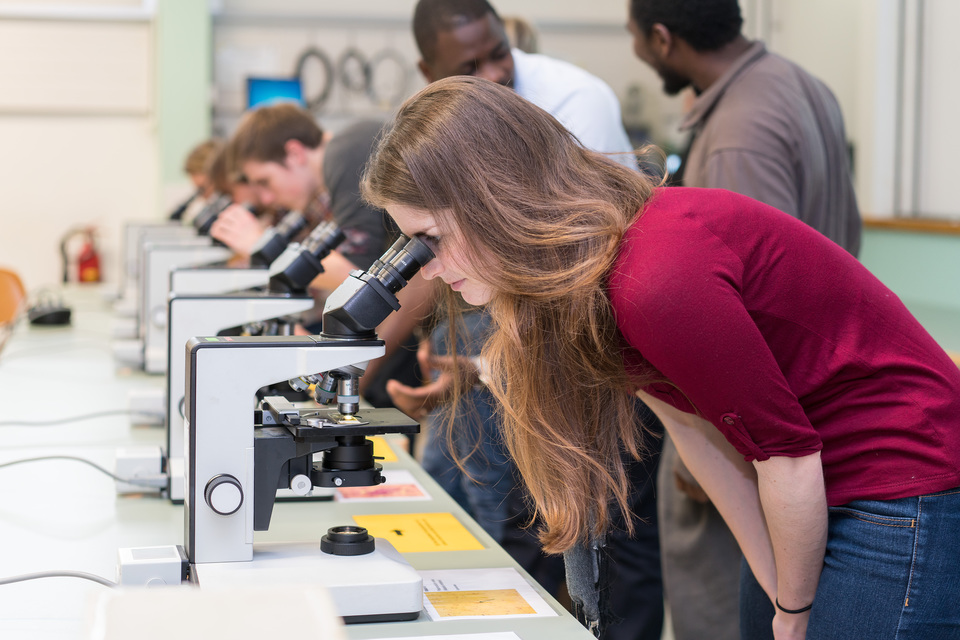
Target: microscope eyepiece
{"points": [[388, 254], [290, 225], [396, 270], [324, 239], [366, 298], [300, 263], [274, 240], [208, 215]]}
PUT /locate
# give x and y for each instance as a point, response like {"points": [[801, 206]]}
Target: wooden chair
{"points": [[12, 299]]}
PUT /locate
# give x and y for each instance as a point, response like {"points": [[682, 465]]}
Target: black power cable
{"points": [[159, 482], [389, 56], [58, 421], [354, 70]]}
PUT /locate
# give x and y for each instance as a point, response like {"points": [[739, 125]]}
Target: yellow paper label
{"points": [[413, 532], [496, 602], [382, 450]]}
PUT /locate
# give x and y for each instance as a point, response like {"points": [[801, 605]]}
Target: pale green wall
{"points": [[923, 269], [184, 61]]}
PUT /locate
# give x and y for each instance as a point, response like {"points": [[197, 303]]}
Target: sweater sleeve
{"points": [[677, 291]]}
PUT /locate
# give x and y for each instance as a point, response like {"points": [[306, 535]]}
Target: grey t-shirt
{"points": [[769, 130], [369, 231]]}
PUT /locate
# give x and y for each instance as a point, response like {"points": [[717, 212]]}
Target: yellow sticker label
{"points": [[495, 602], [382, 450], [413, 532]]}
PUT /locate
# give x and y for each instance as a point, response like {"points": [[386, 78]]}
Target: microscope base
{"points": [[124, 327], [377, 587], [147, 406], [128, 352]]}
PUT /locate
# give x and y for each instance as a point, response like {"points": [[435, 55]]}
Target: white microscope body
{"points": [[160, 262], [234, 469], [191, 313], [158, 259], [135, 235], [208, 315], [237, 458]]}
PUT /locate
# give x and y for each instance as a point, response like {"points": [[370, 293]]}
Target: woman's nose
{"points": [[432, 269]]}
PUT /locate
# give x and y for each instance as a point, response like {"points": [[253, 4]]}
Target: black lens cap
{"points": [[347, 540]]}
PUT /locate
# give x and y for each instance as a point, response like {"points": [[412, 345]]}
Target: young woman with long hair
{"points": [[819, 416]]}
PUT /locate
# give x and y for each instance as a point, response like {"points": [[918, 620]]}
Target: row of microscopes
{"points": [[235, 441]]}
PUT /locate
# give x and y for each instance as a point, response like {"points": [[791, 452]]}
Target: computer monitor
{"points": [[264, 91]]}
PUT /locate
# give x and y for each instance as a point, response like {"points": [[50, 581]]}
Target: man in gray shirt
{"points": [[763, 127]]}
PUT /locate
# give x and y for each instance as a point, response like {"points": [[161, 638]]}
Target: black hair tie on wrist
{"points": [[779, 606]]}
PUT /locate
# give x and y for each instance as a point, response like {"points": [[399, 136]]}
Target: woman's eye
{"points": [[432, 242]]}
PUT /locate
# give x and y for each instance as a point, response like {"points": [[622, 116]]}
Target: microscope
{"points": [[208, 215], [135, 235], [157, 260], [172, 272], [239, 453], [212, 279], [275, 239], [251, 312], [168, 263]]}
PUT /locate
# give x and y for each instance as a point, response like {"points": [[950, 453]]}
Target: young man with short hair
{"points": [[292, 162]]}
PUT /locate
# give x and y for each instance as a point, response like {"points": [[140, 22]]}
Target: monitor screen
{"points": [[264, 91]]}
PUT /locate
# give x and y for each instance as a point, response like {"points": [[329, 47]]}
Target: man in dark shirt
{"points": [[292, 162]]}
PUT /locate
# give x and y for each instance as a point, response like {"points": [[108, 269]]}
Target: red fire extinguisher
{"points": [[88, 262]]}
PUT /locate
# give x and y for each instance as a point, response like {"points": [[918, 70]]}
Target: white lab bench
{"points": [[64, 515]]}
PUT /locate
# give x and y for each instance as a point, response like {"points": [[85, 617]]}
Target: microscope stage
{"points": [[376, 587]]}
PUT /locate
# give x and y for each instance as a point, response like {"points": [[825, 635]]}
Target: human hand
{"points": [[790, 626], [237, 228], [300, 330], [417, 402]]}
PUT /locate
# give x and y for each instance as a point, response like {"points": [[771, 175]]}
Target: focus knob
{"points": [[223, 494], [301, 484]]}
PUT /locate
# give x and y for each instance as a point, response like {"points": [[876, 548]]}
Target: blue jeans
{"points": [[490, 477], [490, 490], [484, 490], [494, 495], [891, 571]]}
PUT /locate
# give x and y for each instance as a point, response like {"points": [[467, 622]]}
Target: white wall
{"points": [[939, 131], [255, 37], [79, 118], [76, 128], [259, 37]]}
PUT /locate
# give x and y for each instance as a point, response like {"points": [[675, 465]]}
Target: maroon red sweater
{"points": [[787, 344]]}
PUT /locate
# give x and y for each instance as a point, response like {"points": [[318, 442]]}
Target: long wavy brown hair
{"points": [[541, 218]]}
